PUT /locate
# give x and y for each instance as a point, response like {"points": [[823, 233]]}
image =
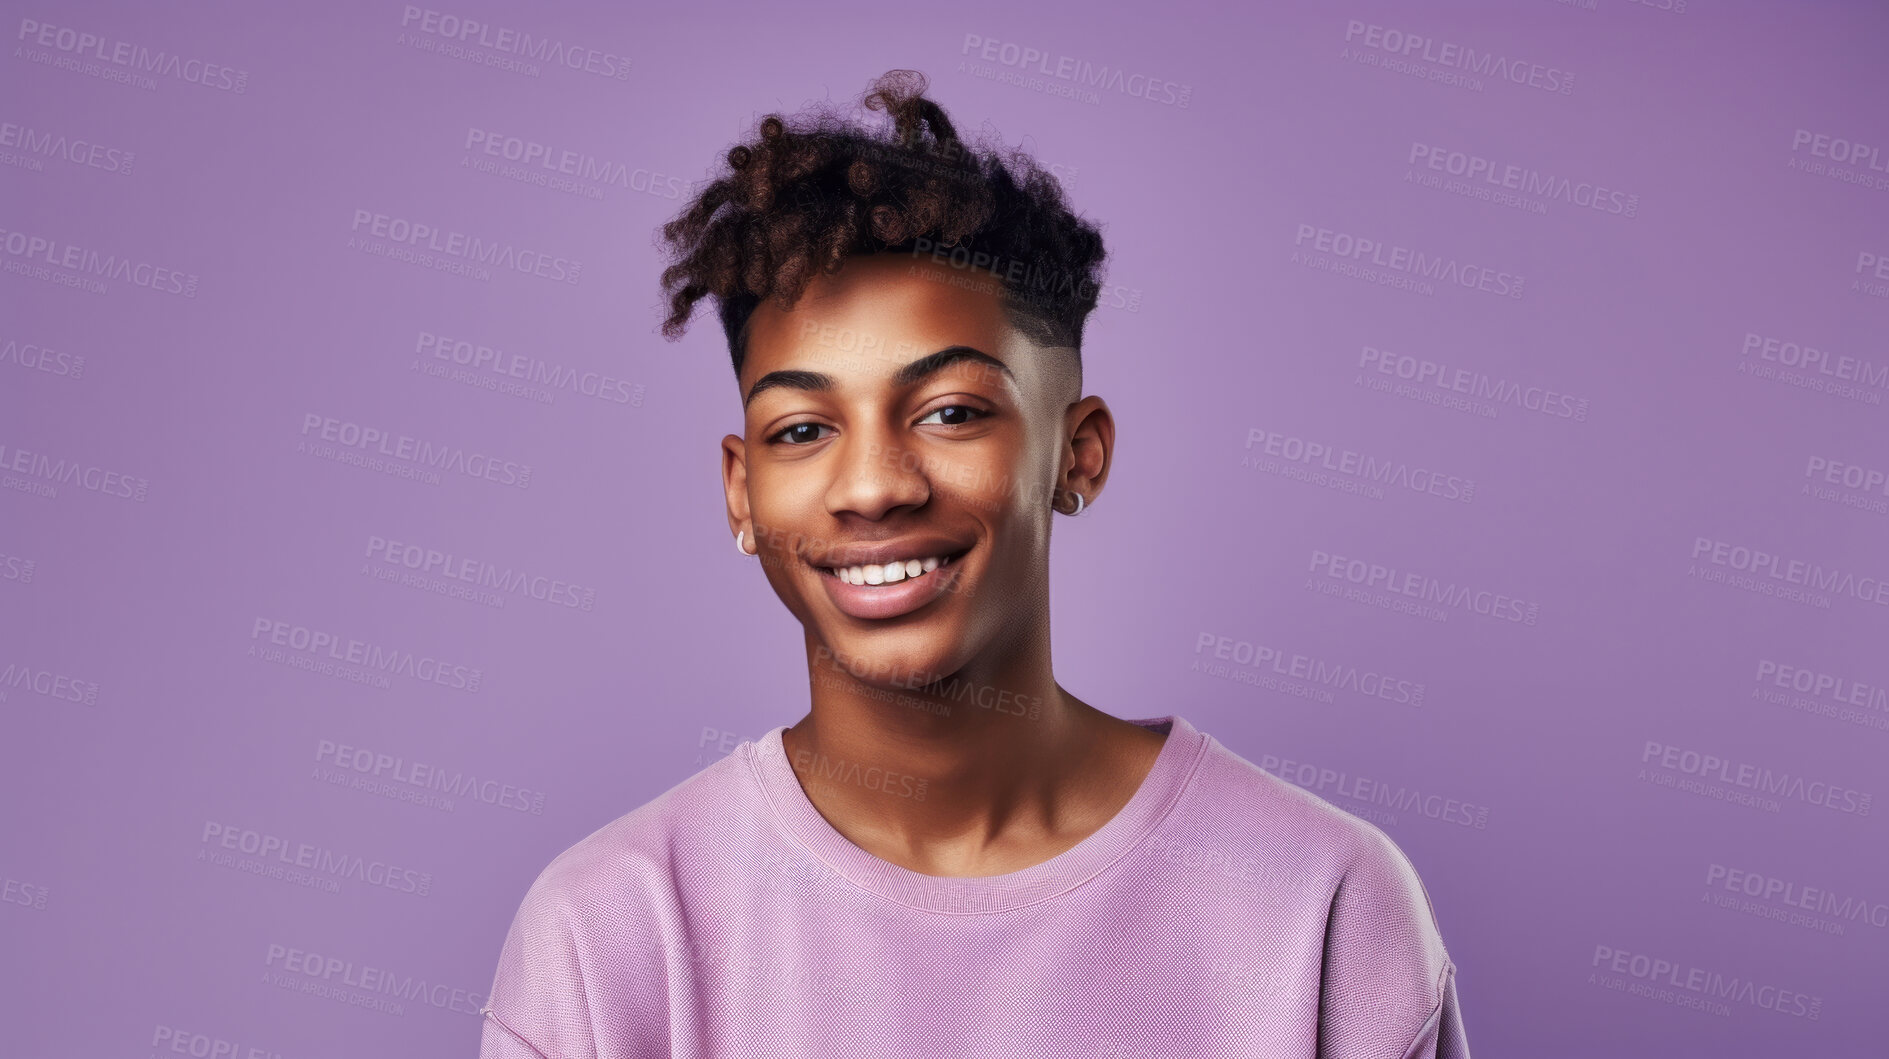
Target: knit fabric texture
{"points": [[1222, 912]]}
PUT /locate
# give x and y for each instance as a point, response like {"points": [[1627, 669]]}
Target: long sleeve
{"points": [[1388, 985]]}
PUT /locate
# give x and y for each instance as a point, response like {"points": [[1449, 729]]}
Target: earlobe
{"points": [[735, 485], [1080, 502]]}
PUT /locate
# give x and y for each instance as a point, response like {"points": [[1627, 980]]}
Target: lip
{"points": [[877, 602], [882, 552]]}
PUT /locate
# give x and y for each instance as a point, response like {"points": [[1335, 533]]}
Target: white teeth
{"points": [[885, 573]]}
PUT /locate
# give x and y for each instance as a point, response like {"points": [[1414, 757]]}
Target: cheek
{"points": [[784, 508], [998, 479]]}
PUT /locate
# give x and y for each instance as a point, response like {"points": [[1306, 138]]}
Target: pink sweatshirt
{"points": [[1222, 912]]}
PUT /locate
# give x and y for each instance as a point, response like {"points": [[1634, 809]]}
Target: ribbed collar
{"points": [[1173, 767]]}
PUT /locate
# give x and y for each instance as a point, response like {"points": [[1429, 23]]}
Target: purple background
{"points": [[1575, 474]]}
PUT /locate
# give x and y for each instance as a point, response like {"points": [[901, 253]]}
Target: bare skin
{"points": [[957, 694]]}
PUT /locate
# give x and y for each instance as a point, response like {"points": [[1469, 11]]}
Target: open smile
{"points": [[890, 573], [890, 589]]}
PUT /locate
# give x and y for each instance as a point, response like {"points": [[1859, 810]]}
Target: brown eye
{"points": [[978, 413], [802, 437]]}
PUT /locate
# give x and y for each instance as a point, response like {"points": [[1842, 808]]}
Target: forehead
{"points": [[878, 312]]}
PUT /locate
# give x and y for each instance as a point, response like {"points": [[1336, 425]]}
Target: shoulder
{"points": [[1385, 971], [586, 956], [1371, 891], [1267, 808], [615, 866], [584, 966], [1387, 979]]}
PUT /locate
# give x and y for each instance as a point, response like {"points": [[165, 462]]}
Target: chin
{"points": [[887, 666]]}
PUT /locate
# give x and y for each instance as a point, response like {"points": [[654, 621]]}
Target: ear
{"points": [[1090, 451], [734, 479]]}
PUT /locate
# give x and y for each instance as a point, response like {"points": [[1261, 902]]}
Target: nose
{"points": [[875, 474]]}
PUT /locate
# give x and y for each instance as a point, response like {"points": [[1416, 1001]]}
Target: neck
{"points": [[993, 766]]}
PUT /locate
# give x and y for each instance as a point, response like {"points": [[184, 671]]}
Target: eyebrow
{"points": [[910, 374]]}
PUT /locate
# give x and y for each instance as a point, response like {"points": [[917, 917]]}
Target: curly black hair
{"points": [[811, 191]]}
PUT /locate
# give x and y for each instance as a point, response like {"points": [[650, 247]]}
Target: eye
{"points": [[776, 437], [978, 413]]}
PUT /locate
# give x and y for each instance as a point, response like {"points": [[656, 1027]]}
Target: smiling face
{"points": [[896, 415]]}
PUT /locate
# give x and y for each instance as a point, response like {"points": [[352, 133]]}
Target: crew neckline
{"points": [[1160, 789]]}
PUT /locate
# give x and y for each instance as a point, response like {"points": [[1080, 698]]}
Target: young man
{"points": [[949, 854]]}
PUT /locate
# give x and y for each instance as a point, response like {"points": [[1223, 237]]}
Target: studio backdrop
{"points": [[1502, 456]]}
